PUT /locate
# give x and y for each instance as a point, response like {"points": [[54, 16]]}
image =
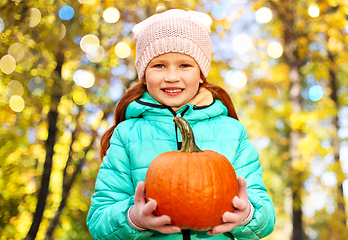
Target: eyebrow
{"points": [[184, 60]]}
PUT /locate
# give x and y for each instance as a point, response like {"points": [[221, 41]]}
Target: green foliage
{"points": [[49, 49], [52, 53], [316, 43]]}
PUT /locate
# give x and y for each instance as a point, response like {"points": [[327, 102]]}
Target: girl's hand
{"points": [[142, 213], [241, 212]]}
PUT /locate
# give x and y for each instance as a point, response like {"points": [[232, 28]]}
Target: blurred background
{"points": [[65, 64]]}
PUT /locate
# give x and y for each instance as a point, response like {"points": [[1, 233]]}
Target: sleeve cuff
{"points": [[131, 224], [250, 216]]}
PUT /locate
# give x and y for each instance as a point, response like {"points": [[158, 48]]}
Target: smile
{"points": [[172, 90]]}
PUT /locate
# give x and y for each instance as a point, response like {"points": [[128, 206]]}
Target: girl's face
{"points": [[173, 79]]}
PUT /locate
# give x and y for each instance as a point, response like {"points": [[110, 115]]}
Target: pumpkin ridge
{"points": [[212, 210], [200, 172], [174, 182], [234, 184], [170, 190], [220, 169]]}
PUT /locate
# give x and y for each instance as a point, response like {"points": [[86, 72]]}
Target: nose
{"points": [[172, 76]]}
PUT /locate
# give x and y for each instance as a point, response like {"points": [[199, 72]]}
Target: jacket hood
{"points": [[148, 107]]}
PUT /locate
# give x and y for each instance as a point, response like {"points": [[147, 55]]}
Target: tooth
{"points": [[173, 91]]}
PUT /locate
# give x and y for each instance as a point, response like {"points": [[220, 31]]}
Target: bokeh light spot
{"points": [[78, 76], [119, 70], [89, 81], [161, 8], [2, 25], [116, 89], [34, 17], [345, 29], [111, 15], [219, 12], [248, 56], [17, 103], [242, 43], [80, 97], [36, 86], [122, 50], [96, 56], [313, 10], [7, 64], [14, 87], [239, 1], [17, 51], [27, 62], [66, 13], [84, 78], [236, 78], [263, 15], [275, 50], [89, 43], [87, 1], [262, 143], [316, 93], [62, 31]]}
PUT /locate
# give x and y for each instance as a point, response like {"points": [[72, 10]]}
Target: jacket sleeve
{"points": [[247, 164], [114, 194]]}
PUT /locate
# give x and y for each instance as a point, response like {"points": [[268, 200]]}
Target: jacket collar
{"points": [[203, 98], [148, 107]]}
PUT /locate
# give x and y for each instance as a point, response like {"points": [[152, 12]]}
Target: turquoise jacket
{"points": [[147, 132]]}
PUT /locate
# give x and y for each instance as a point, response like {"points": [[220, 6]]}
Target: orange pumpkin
{"points": [[191, 186]]}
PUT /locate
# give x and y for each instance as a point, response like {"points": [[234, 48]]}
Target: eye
{"points": [[158, 66], [185, 65]]}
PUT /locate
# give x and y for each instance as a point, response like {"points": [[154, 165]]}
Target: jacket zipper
{"points": [[179, 144], [186, 233]]}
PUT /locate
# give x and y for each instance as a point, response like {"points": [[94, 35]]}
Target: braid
{"points": [[222, 95], [120, 113]]}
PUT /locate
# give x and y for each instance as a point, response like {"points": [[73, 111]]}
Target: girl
{"points": [[173, 54]]}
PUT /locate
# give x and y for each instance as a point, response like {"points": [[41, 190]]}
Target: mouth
{"points": [[172, 90]]}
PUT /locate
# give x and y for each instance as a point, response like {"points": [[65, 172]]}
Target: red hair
{"points": [[138, 90]]}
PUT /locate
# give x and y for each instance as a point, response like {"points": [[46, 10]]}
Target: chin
{"points": [[171, 104], [174, 105]]}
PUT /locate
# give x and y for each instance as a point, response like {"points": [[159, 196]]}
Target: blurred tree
{"points": [[311, 44], [286, 30], [68, 94], [329, 31]]}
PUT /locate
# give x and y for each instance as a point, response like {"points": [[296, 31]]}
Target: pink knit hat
{"points": [[178, 31]]}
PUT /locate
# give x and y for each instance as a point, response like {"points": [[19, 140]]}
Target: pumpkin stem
{"points": [[188, 139]]}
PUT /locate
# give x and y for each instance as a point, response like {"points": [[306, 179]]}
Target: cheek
{"points": [[196, 82], [194, 87], [150, 82]]}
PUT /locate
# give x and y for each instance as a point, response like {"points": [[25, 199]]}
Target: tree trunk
{"points": [[50, 142], [297, 231], [65, 195], [296, 175], [336, 142], [41, 203], [286, 14], [67, 185]]}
